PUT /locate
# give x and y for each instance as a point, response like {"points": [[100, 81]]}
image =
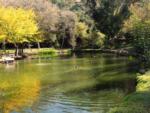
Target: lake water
{"points": [[76, 84]]}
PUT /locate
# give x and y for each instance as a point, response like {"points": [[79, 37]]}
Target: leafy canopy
{"points": [[17, 25]]}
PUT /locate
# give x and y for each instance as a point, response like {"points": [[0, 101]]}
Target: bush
{"points": [[98, 39], [141, 34]]}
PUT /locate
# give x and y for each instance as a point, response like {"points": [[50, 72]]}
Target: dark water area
{"points": [[85, 83]]}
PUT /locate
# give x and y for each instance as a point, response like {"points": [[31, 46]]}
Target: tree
{"points": [[87, 38], [52, 21], [98, 39], [47, 14], [81, 34], [137, 26], [81, 30], [109, 16], [17, 26], [66, 29], [141, 34], [139, 12]]}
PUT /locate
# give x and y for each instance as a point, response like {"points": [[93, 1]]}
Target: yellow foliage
{"points": [[81, 30], [98, 38], [17, 24], [26, 93], [138, 13], [100, 35], [144, 82]]}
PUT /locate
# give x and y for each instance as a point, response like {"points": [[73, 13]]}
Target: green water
{"points": [[76, 84]]}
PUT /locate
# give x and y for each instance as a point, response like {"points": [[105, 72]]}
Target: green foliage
{"points": [[109, 15], [49, 51], [137, 102], [63, 22], [53, 52], [63, 3], [98, 39], [137, 27], [141, 34], [81, 30], [89, 38], [144, 82], [129, 109]]}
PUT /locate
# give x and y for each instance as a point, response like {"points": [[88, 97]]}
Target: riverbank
{"points": [[51, 52], [31, 53], [122, 52], [41, 51], [137, 102]]}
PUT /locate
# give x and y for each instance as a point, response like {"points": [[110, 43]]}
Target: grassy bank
{"points": [[139, 101], [40, 52], [37, 51]]}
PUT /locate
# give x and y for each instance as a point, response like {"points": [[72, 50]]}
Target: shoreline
{"points": [[31, 53], [121, 52]]}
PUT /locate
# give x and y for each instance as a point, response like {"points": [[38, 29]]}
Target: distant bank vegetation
{"points": [[76, 24]]}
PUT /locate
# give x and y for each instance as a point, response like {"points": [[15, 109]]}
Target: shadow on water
{"points": [[109, 72], [81, 83]]}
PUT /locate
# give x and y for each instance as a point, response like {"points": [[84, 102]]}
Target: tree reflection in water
{"points": [[77, 84], [15, 96]]}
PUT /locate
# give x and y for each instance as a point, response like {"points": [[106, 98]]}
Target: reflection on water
{"points": [[81, 84]]}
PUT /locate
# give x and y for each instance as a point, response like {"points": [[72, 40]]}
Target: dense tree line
{"points": [[52, 22], [89, 23]]}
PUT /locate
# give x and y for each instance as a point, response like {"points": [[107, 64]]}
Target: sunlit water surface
{"points": [[76, 84]]}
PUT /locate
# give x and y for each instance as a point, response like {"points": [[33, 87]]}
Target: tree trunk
{"points": [[21, 52], [17, 50], [4, 47], [62, 42], [39, 47]]}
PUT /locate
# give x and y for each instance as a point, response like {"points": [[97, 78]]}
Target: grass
{"points": [[139, 101], [42, 51], [129, 109], [53, 52]]}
